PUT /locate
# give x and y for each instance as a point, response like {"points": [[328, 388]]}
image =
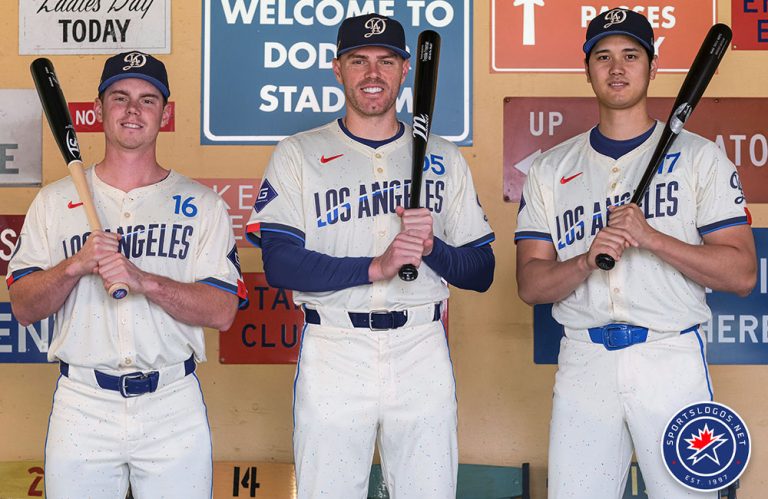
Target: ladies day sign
{"points": [[267, 65]]}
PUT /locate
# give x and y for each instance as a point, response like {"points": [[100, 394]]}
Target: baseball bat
{"points": [[59, 120], [703, 68], [424, 90]]}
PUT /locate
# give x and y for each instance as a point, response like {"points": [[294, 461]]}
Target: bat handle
{"points": [[118, 290], [408, 273], [604, 261]]}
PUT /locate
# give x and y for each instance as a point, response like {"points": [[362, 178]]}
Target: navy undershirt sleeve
{"points": [[287, 264], [465, 267]]}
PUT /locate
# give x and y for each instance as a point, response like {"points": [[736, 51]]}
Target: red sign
{"points": [[750, 24], [541, 36], [736, 125], [268, 331], [10, 227], [84, 118], [239, 194]]}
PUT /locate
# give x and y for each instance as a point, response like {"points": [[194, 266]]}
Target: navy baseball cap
{"points": [[135, 65], [371, 30], [620, 22]]}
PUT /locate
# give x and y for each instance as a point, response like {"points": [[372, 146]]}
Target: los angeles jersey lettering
{"points": [[379, 198]]}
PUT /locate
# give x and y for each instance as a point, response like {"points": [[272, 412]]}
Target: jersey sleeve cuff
{"points": [[254, 230], [539, 236], [480, 241], [722, 224], [238, 290], [15, 276]]}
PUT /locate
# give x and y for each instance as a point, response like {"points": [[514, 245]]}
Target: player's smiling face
{"points": [[619, 72], [371, 77], [132, 112]]}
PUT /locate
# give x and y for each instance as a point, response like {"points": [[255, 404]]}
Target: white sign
{"points": [[20, 138], [94, 26]]}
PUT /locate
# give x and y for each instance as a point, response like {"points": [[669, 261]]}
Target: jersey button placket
{"points": [[380, 239], [124, 333], [381, 235], [618, 297], [614, 176], [378, 165]]}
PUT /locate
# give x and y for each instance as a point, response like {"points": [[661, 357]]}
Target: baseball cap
{"points": [[371, 30], [135, 65], [620, 22]]}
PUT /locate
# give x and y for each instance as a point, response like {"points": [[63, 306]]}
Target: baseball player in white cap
{"points": [[329, 219], [632, 354], [128, 407]]}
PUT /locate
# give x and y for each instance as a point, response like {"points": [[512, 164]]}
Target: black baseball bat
{"points": [[424, 90], [703, 68], [60, 121]]}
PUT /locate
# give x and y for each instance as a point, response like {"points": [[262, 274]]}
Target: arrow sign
{"points": [[529, 22]]}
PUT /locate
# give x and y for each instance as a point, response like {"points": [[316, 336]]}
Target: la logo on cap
{"points": [[616, 16], [134, 60], [376, 25]]}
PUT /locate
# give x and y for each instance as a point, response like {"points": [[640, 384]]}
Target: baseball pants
{"points": [[354, 385], [608, 403], [98, 441]]}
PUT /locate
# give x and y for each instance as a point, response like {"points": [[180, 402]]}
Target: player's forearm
{"points": [[288, 265], [196, 304], [464, 267], [730, 267], [548, 281], [40, 294]]}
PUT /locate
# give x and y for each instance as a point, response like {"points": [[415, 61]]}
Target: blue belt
{"points": [[131, 384], [618, 336], [375, 321]]}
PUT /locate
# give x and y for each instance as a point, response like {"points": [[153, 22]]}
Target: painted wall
{"points": [[504, 399]]}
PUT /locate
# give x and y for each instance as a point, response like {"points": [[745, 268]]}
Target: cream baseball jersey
{"points": [[176, 228], [565, 201], [338, 197]]}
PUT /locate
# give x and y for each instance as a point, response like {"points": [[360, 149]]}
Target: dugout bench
{"points": [[475, 481]]}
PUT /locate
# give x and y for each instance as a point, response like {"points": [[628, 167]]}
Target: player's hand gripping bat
{"points": [[703, 68], [424, 90], [60, 122]]}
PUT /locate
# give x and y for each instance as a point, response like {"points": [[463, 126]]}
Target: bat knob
{"points": [[605, 262], [118, 291], [408, 273]]}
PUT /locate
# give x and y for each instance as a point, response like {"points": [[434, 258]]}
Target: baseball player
{"points": [[128, 406], [329, 219], [633, 353]]}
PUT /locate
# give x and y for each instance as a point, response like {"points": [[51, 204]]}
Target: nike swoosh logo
{"points": [[565, 180], [73, 205], [324, 160]]}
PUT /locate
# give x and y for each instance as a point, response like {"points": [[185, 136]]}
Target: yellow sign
{"points": [[248, 479], [21, 479]]}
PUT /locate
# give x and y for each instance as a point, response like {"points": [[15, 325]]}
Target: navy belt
{"points": [[618, 336], [375, 321], [131, 384]]}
